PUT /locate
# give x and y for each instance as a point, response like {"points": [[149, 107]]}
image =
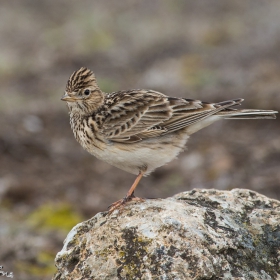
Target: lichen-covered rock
{"points": [[200, 234]]}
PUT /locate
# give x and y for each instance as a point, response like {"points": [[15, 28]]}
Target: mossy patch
{"points": [[54, 217]]}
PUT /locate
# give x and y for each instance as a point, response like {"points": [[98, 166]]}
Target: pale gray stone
{"points": [[200, 234]]}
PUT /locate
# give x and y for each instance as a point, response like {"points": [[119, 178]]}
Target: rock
{"points": [[200, 234]]}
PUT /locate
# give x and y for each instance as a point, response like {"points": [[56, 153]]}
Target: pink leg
{"points": [[129, 196]]}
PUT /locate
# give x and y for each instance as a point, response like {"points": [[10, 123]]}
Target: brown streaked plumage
{"points": [[139, 130]]}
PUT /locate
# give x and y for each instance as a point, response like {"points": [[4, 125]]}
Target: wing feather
{"points": [[135, 112], [192, 118]]}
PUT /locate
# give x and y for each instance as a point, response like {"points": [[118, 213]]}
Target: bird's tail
{"points": [[226, 111], [231, 113]]}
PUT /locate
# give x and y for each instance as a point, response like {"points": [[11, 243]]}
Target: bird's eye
{"points": [[87, 92]]}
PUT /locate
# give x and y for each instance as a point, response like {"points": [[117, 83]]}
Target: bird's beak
{"points": [[67, 97]]}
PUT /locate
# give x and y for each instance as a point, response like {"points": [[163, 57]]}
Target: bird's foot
{"points": [[121, 203]]}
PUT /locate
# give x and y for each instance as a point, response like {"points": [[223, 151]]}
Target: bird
{"points": [[139, 130]]}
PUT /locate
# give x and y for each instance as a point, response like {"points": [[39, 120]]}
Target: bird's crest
{"points": [[80, 79]]}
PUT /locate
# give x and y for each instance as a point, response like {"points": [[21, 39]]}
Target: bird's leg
{"points": [[129, 196], [130, 193]]}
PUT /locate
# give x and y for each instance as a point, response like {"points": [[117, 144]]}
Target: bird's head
{"points": [[82, 93]]}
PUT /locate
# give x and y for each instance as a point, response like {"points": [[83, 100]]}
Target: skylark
{"points": [[140, 130]]}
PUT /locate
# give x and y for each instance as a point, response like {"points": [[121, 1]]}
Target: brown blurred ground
{"points": [[211, 50]]}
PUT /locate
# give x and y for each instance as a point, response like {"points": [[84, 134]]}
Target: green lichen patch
{"points": [[131, 254]]}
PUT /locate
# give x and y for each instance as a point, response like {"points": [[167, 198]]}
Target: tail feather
{"points": [[248, 114]]}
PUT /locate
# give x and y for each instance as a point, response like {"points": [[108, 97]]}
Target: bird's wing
{"points": [[133, 112], [141, 114]]}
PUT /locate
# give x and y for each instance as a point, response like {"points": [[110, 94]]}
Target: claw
{"points": [[121, 203]]}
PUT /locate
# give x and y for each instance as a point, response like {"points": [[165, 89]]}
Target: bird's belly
{"points": [[148, 155]]}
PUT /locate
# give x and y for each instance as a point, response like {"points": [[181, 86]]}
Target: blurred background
{"points": [[210, 50]]}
